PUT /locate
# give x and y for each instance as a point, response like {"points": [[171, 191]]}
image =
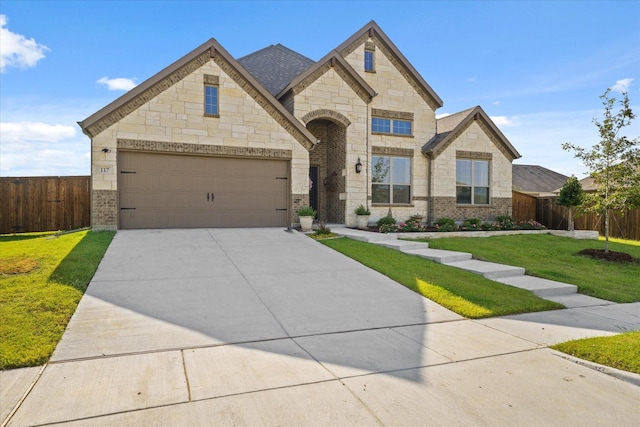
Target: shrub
{"points": [[386, 220], [411, 225], [446, 224], [361, 210], [322, 229], [531, 225], [506, 222], [490, 226], [306, 211], [388, 228], [471, 224]]}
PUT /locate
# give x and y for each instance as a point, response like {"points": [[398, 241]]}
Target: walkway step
{"points": [[541, 287], [403, 245], [489, 270], [578, 300], [439, 255], [364, 236]]}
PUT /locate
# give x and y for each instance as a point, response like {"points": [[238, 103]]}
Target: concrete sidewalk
{"points": [[264, 327]]}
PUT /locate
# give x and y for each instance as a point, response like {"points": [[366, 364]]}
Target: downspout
{"points": [[429, 201]]}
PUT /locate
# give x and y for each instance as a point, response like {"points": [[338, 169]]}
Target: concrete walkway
{"points": [[267, 327], [562, 293]]}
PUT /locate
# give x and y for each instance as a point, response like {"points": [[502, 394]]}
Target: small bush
{"points": [[306, 211], [531, 225], [412, 225], [361, 210], [471, 224], [388, 228], [446, 224], [506, 222], [490, 226], [386, 220], [322, 229]]}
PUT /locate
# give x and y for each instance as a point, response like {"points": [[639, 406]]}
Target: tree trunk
{"points": [[570, 220], [606, 231]]}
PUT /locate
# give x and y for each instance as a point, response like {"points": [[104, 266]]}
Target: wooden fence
{"points": [[44, 203], [546, 212]]}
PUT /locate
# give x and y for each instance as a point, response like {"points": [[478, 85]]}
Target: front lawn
{"points": [[465, 293], [618, 351], [42, 278], [556, 258]]}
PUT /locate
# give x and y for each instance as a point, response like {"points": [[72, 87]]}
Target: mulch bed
{"points": [[611, 256]]}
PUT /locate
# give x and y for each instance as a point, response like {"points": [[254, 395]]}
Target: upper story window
{"points": [[390, 180], [472, 182], [391, 126], [369, 60], [211, 99], [370, 56]]}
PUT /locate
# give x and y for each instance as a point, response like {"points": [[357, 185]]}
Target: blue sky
{"points": [[537, 68]]}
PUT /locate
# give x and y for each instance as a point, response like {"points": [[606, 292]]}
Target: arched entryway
{"points": [[327, 160]]}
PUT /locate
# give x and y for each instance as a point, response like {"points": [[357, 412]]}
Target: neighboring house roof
{"points": [[372, 30], [449, 127], [536, 179], [170, 75], [275, 66]]}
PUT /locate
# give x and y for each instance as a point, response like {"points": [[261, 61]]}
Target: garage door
{"points": [[175, 191]]}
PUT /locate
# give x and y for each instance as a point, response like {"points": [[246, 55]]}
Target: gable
{"points": [[451, 127], [335, 62], [181, 69], [372, 32]]}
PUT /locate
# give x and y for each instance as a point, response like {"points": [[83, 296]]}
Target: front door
{"points": [[313, 188]]}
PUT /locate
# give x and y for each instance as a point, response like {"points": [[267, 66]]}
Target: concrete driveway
{"points": [[268, 327]]}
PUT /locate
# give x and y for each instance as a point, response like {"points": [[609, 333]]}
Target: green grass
{"points": [[35, 306], [556, 258], [465, 293], [618, 351]]}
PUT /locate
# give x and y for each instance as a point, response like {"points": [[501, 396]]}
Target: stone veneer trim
{"points": [[326, 114], [474, 155], [392, 151], [388, 114], [199, 149]]}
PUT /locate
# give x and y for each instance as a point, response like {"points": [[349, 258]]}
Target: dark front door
{"points": [[313, 190]]}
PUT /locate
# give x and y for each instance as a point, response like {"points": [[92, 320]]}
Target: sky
{"points": [[537, 68]]}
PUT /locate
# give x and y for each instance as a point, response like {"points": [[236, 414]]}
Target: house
{"points": [[213, 141], [537, 180]]}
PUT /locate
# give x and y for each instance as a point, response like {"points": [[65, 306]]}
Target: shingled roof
{"points": [[449, 126], [275, 66], [536, 179]]}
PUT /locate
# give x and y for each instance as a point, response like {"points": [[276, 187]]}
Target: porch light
{"points": [[358, 166]]}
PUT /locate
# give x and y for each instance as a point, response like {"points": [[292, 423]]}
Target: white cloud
{"points": [[439, 116], [495, 103], [117, 84], [34, 131], [622, 85], [505, 121], [471, 79], [16, 50]]}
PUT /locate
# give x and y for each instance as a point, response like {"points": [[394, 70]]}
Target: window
{"points": [[211, 100], [369, 61], [391, 180], [391, 126], [472, 182]]}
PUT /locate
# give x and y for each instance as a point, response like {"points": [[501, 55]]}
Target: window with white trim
{"points": [[391, 126], [472, 182], [390, 180]]}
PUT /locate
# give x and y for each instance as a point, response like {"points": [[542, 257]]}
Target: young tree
{"points": [[613, 163], [570, 195]]}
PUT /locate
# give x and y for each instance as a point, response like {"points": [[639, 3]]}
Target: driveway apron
{"points": [[264, 326]]}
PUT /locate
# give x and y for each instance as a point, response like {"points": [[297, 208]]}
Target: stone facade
{"points": [[335, 101]]}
